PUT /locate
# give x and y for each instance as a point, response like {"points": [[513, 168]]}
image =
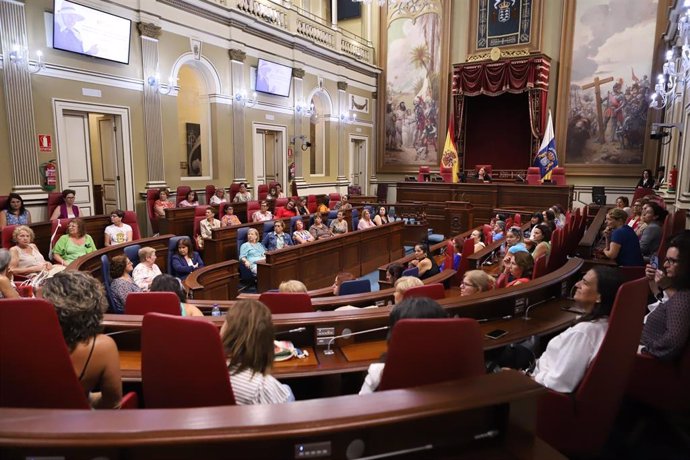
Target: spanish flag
{"points": [[449, 158]]}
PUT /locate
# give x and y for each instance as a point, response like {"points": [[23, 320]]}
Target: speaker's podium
{"points": [[460, 216]]}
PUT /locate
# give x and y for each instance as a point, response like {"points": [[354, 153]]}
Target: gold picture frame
{"points": [[419, 148]]}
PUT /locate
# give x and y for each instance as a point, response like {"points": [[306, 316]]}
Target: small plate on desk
{"points": [[283, 356]]}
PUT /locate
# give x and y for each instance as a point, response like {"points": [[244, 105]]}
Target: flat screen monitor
{"points": [[90, 32], [272, 78]]}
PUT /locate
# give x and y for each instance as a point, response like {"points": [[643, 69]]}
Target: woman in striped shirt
{"points": [[247, 337]]}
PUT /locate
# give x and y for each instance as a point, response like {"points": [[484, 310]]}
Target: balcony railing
{"points": [[301, 23]]}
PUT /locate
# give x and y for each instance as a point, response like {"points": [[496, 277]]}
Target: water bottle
{"points": [[215, 311]]}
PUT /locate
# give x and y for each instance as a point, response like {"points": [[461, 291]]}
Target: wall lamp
{"points": [[19, 58], [301, 108], [348, 117], [242, 98], [303, 141], [154, 82]]}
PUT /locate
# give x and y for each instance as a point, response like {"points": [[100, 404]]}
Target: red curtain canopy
{"points": [[495, 78]]}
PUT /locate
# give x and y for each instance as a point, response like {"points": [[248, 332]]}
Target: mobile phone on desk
{"points": [[496, 334]]}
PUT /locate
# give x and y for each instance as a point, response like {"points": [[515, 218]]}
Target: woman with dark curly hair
{"points": [[122, 283], [79, 301]]}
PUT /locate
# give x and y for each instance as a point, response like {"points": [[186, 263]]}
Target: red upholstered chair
{"points": [[558, 175], [131, 220], [197, 231], [252, 207], [210, 191], [262, 191], [631, 273], [488, 168], [502, 280], [287, 302], [201, 210], [181, 194], [533, 175], [234, 188], [7, 242], [3, 202], [509, 222], [679, 220], [539, 267], [579, 423], [333, 199], [140, 303], [426, 351], [467, 251], [446, 174], [37, 371], [434, 291], [642, 191], [424, 174], [57, 232], [280, 203], [488, 234], [193, 375], [517, 219], [312, 204], [54, 200], [666, 232], [151, 197]]}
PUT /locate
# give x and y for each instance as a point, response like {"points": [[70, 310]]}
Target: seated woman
{"points": [[667, 329], [318, 229], [482, 175], [411, 308], [218, 197], [622, 245], [292, 286], [243, 195], [623, 203], [393, 272], [476, 281], [186, 260], [343, 204], [402, 285], [27, 260], [560, 215], [247, 337], [277, 239], [520, 267], [550, 219], [301, 207], [279, 190], [478, 238], [167, 283], [323, 206], [252, 251], [118, 232], [272, 193], [424, 262], [339, 225], [647, 180], [301, 235], [635, 221], [146, 270], [514, 238], [499, 230], [365, 221], [7, 290], [229, 218], [382, 216], [122, 283], [14, 213], [541, 241], [567, 356], [262, 214], [536, 219], [340, 278], [190, 200], [287, 211], [79, 301], [653, 216], [74, 244], [162, 203], [208, 223], [67, 210]]}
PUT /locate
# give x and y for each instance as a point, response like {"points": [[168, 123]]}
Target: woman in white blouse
{"points": [[146, 270]]}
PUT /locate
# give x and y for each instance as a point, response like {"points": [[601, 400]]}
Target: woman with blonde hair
{"points": [[292, 286], [476, 281], [252, 251], [26, 258], [146, 270], [247, 337], [403, 284]]}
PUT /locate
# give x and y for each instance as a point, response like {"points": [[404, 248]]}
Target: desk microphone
{"points": [[347, 333], [520, 178], [292, 331]]}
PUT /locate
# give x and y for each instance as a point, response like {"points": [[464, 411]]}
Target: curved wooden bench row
{"points": [[592, 235], [459, 411], [541, 300]]}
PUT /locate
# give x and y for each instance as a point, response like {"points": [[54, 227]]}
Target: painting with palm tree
{"points": [[413, 85]]}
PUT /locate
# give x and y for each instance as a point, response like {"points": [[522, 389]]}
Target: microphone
{"points": [[529, 307], [520, 178], [291, 331], [52, 238], [347, 333]]}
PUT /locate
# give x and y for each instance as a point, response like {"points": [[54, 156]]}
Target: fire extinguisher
{"points": [[49, 173], [673, 179]]}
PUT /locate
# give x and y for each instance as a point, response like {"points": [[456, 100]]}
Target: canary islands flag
{"points": [[546, 158], [449, 158]]}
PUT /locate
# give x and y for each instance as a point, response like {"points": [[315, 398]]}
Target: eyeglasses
{"points": [[672, 261], [69, 197]]}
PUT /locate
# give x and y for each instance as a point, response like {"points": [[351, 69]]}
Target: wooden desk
{"points": [[502, 405], [320, 261], [484, 198], [218, 281], [585, 248]]}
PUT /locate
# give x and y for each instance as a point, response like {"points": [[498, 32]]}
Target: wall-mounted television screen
{"points": [[273, 78], [83, 30]]}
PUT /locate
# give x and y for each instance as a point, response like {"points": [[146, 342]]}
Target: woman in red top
{"points": [[520, 268]]}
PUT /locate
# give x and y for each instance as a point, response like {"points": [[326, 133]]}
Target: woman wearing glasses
{"points": [[666, 329], [67, 210], [476, 281]]}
